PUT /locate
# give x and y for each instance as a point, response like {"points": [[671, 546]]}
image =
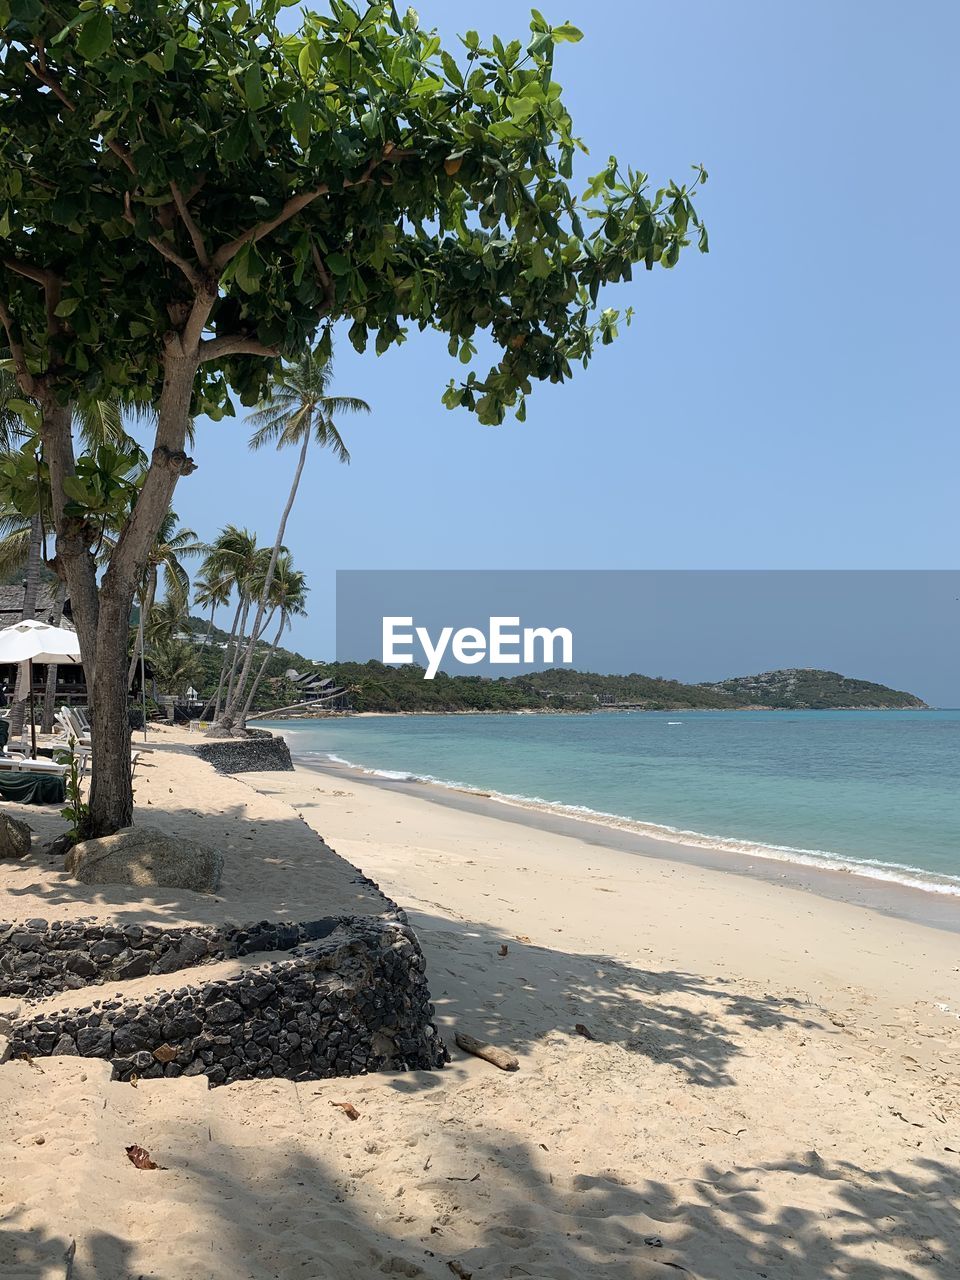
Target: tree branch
{"points": [[163, 248], [19, 356], [38, 274], [235, 345], [328, 288], [52, 286], [188, 222], [197, 321], [226, 252], [293, 206]]}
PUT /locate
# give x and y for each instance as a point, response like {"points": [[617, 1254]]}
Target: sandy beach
{"points": [[767, 1086]]}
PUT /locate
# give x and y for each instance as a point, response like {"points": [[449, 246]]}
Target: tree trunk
{"points": [[103, 618], [238, 644], [215, 701], [230, 714], [145, 608], [50, 692], [259, 676], [30, 592]]}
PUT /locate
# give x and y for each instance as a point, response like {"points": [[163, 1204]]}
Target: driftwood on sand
{"points": [[489, 1052]]}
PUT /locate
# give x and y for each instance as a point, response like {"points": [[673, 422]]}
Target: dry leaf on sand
{"points": [[348, 1109], [137, 1156]]}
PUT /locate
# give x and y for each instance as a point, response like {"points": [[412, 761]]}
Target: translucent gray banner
{"points": [[899, 628]]}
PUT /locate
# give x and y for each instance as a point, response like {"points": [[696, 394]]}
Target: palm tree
{"points": [[299, 410], [233, 558], [288, 593], [211, 590], [175, 664], [172, 545]]}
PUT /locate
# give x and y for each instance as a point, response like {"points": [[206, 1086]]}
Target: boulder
{"points": [[14, 837], [146, 857]]}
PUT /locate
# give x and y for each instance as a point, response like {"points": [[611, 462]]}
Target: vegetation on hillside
{"points": [[805, 689], [372, 686]]}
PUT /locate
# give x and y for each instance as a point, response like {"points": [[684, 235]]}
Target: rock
{"points": [[135, 967], [79, 962], [15, 837], [95, 1042], [146, 857]]}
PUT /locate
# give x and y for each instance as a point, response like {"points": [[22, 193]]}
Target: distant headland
{"points": [[375, 687]]}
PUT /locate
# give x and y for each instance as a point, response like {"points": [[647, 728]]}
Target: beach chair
{"points": [[69, 721], [24, 764], [82, 743]]}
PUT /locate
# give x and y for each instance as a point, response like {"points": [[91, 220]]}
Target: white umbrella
{"points": [[32, 641]]}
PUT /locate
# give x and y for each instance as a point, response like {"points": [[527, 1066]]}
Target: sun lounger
{"points": [[28, 787], [24, 764]]}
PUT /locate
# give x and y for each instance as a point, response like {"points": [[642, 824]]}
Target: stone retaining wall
{"points": [[262, 753], [353, 1002], [39, 958]]}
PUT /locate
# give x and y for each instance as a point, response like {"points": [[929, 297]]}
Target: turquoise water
{"points": [[871, 788]]}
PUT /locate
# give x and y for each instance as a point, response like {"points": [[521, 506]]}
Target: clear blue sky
{"points": [[788, 401]]}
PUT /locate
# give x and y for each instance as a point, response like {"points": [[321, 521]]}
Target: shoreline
{"points": [[888, 896]]}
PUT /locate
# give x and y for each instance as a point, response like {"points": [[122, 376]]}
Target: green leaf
{"points": [[253, 87], [75, 488], [337, 264], [309, 59], [96, 36], [451, 70], [541, 266], [248, 268], [704, 241], [67, 307], [30, 413], [429, 85], [301, 119], [568, 33], [670, 255]]}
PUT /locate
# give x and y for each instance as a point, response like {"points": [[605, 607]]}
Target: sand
{"points": [[770, 1090]]}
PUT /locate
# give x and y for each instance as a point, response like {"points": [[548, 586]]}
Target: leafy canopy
{"points": [[154, 150]]}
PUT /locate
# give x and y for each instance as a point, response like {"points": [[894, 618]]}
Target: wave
{"points": [[872, 868]]}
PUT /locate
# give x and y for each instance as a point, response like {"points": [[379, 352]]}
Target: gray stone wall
{"points": [[38, 958], [353, 1001], [262, 753]]}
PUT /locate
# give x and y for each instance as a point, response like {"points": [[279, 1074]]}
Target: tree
{"points": [[223, 188], [211, 591], [298, 409], [171, 546], [234, 558], [24, 537], [286, 595]]}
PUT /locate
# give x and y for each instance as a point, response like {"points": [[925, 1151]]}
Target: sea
{"points": [[872, 792]]}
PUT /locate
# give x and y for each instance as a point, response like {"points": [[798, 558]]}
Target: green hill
{"points": [[809, 690]]}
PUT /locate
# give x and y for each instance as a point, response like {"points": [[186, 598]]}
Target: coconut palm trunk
{"points": [[229, 718], [147, 598], [31, 591], [215, 700], [258, 679], [50, 692]]}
